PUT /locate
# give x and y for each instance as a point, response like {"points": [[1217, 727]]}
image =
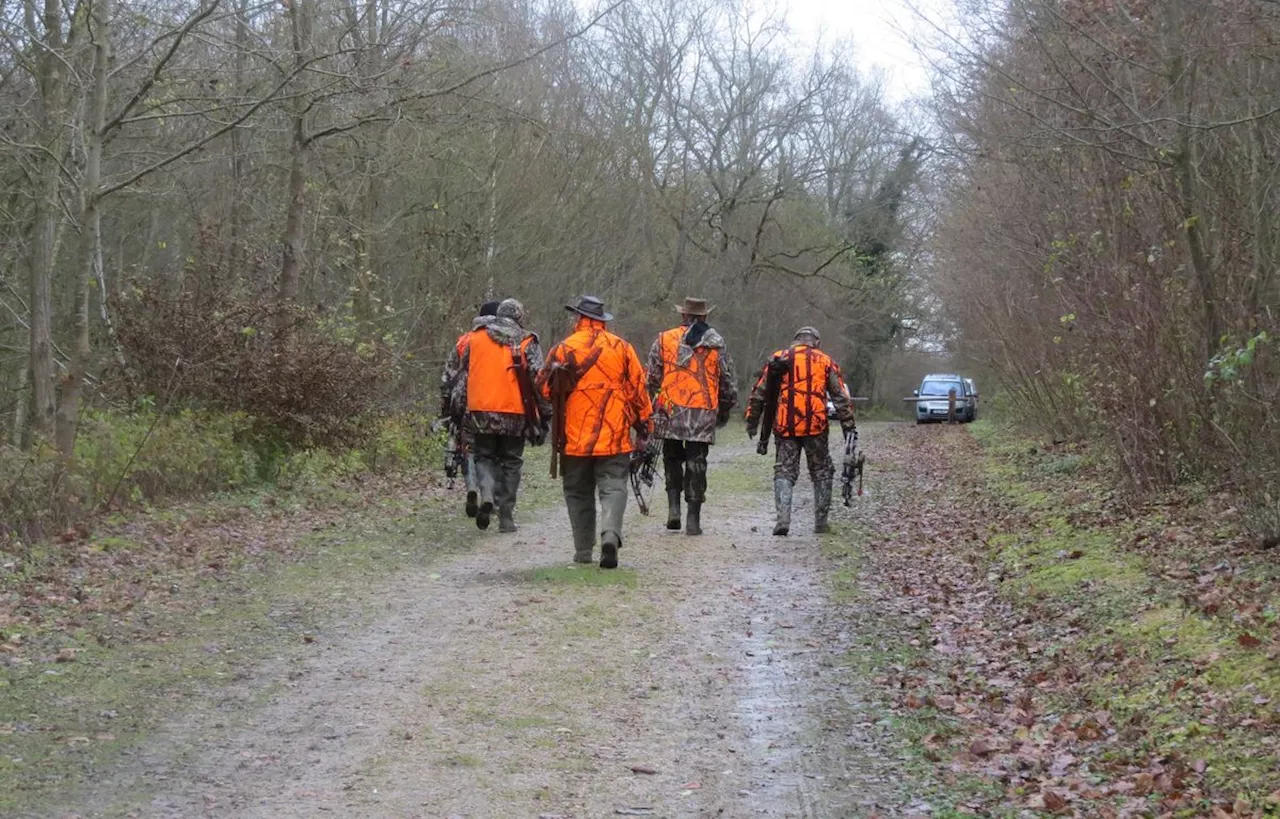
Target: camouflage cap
{"points": [[811, 332], [512, 309]]}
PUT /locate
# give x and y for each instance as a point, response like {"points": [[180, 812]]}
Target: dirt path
{"points": [[701, 679]]}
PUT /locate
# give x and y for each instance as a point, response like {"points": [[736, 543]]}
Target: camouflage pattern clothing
{"points": [[817, 451], [816, 447], [692, 423], [503, 331]]}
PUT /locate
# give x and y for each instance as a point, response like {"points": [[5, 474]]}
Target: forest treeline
{"points": [[1107, 242], [284, 212], [249, 229]]}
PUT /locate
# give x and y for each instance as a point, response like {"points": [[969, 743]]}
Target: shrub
{"points": [[303, 388]]}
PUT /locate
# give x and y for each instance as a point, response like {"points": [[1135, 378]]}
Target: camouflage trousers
{"points": [[817, 451], [685, 463]]}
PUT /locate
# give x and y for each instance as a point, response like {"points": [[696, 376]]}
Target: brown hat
{"points": [[694, 307]]}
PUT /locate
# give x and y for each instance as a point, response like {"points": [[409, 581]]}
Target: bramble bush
{"points": [[242, 353]]}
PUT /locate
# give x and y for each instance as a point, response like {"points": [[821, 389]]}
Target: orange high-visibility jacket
{"points": [[609, 397], [694, 383], [802, 396], [491, 375]]}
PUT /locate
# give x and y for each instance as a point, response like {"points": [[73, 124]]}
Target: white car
{"points": [[933, 399]]}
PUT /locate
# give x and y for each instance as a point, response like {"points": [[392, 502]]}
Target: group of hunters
{"points": [[591, 395]]}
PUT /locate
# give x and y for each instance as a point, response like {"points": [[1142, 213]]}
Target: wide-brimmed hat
{"points": [[694, 307], [591, 307]]}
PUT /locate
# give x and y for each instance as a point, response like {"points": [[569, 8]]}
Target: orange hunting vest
{"points": [[694, 384], [802, 397], [491, 375]]}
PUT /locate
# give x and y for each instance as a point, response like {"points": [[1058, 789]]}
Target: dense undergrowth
{"points": [[136, 458]]}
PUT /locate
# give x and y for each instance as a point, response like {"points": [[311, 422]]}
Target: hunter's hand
{"points": [[849, 426]]}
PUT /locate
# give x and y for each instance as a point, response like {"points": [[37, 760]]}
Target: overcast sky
{"points": [[879, 30]]}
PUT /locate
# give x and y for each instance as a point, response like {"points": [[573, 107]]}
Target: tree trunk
{"points": [[90, 227], [43, 250], [239, 214], [300, 14]]}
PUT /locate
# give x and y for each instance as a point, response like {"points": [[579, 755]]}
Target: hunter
{"points": [[452, 366], [500, 408], [595, 383], [693, 390], [794, 387]]}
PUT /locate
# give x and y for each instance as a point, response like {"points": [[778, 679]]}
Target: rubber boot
{"points": [[693, 523], [473, 503], [821, 506], [507, 520], [673, 509], [582, 549], [610, 542], [782, 500], [483, 515]]}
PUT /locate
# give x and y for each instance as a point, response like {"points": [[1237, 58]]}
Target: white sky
{"points": [[880, 31]]}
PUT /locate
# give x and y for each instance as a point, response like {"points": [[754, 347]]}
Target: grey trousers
{"points": [[584, 478], [499, 461], [469, 472]]}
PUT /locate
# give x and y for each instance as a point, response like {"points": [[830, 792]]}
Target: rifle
{"points": [[854, 462], [774, 371], [528, 396], [560, 383], [562, 378], [644, 467]]}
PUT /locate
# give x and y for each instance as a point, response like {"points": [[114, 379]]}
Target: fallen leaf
{"points": [[980, 747], [1248, 640], [1053, 801]]}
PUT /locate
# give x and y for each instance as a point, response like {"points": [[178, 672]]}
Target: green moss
{"points": [[582, 575]]}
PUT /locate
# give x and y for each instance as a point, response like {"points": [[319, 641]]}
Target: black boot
{"points": [[483, 514], [610, 542], [693, 524], [473, 503], [673, 509]]}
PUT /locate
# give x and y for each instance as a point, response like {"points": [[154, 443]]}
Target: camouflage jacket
{"points": [[691, 423], [504, 331]]}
